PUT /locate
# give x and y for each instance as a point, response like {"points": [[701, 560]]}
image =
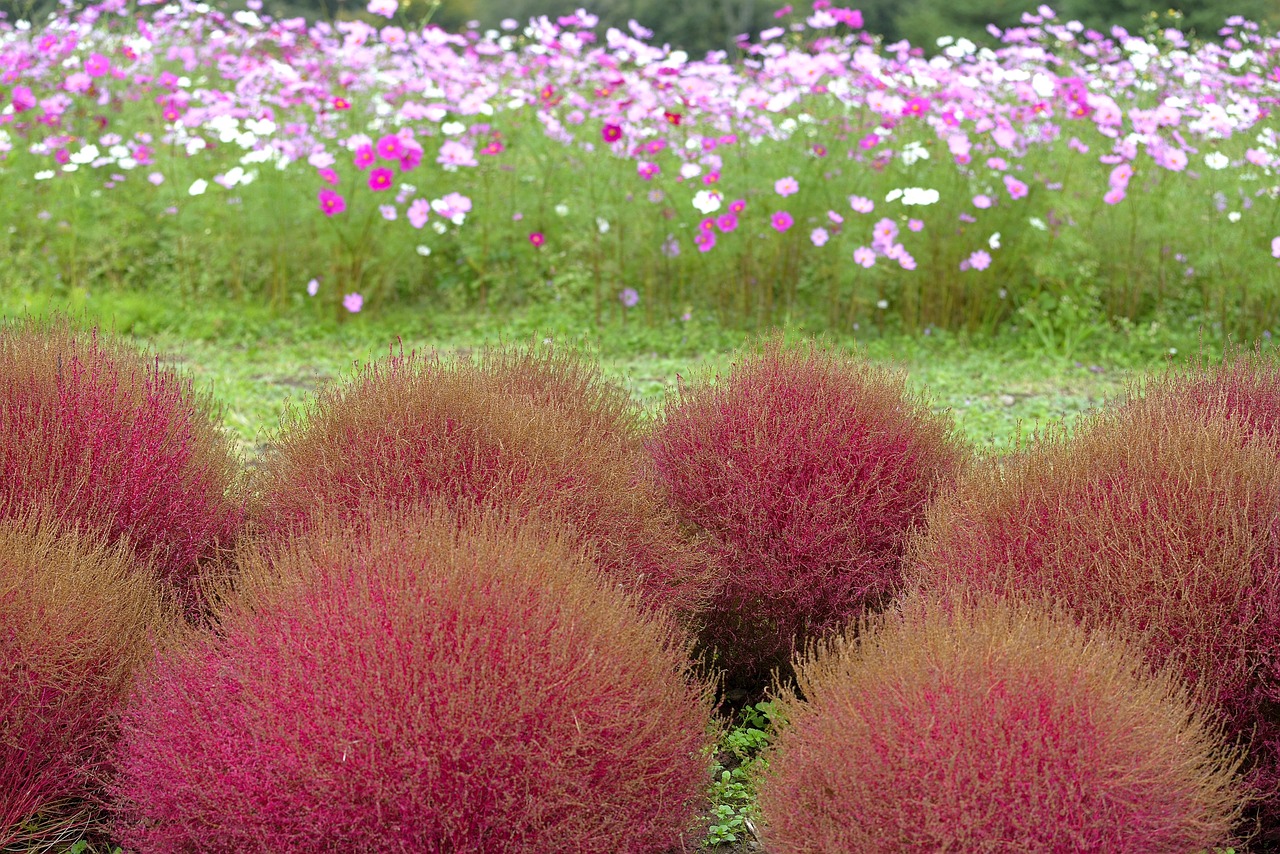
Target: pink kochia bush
{"points": [[75, 624], [806, 468], [100, 436], [1159, 520], [535, 429], [990, 727], [420, 682]]}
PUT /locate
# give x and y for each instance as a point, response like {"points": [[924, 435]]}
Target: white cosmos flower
{"points": [[562, 209], [198, 187], [43, 175], [707, 201], [919, 196], [452, 128], [1217, 160], [994, 241], [423, 250]]}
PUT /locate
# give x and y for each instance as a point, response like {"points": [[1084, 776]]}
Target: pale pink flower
{"points": [[353, 302], [864, 256]]}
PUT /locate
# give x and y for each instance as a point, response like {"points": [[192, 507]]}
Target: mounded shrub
{"points": [[75, 624], [424, 682], [534, 429], [993, 726], [806, 468], [105, 438], [1160, 520]]}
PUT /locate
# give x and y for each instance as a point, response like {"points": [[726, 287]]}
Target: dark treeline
{"points": [[701, 25]]}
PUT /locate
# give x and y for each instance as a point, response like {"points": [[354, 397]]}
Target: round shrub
{"points": [[1159, 520], [104, 438], [806, 468], [422, 682], [532, 429], [75, 624], [992, 726]]}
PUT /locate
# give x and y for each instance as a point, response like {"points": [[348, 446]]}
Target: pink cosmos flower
{"points": [[819, 236], [781, 221], [454, 154], [353, 302], [915, 224], [78, 81], [1174, 159], [390, 147], [787, 186], [1275, 247], [328, 176], [861, 204], [385, 8], [980, 260], [156, 178], [1016, 188], [418, 213], [727, 222], [705, 240], [537, 238], [885, 232], [381, 179], [363, 157], [905, 261], [917, 107], [629, 297], [331, 203], [982, 201], [648, 171], [1119, 178], [388, 212], [864, 256], [22, 98], [611, 133], [1114, 196], [313, 287], [737, 206], [835, 217], [97, 65]]}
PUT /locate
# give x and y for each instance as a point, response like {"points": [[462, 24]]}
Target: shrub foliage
{"points": [[806, 468], [994, 726], [104, 438], [421, 682], [1160, 520], [534, 429], [75, 624]]}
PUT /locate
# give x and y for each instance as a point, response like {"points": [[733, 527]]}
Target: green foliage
{"points": [[732, 791]]}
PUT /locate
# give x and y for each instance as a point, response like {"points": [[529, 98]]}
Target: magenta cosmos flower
{"points": [[537, 238], [390, 147], [781, 221], [380, 179], [331, 203], [611, 133], [363, 157]]}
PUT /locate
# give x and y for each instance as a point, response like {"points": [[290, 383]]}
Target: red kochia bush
{"points": [[807, 468], [1160, 520], [102, 437], [417, 684], [993, 727], [524, 429], [75, 623]]}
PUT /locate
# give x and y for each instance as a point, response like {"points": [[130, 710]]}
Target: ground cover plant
{"points": [[75, 626], [1157, 519], [102, 437], [531, 429], [993, 726], [807, 468], [430, 682], [1064, 180]]}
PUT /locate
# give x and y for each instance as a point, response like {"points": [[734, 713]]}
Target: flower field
{"points": [[1064, 179]]}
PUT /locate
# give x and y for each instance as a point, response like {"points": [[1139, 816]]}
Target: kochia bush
{"points": [[1160, 520], [75, 624], [993, 726], [104, 438], [807, 468], [535, 429], [421, 682]]}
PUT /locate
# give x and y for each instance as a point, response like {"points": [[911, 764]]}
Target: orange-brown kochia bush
{"points": [[420, 683], [807, 468], [533, 429], [1160, 520], [993, 727], [104, 438], [75, 624]]}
